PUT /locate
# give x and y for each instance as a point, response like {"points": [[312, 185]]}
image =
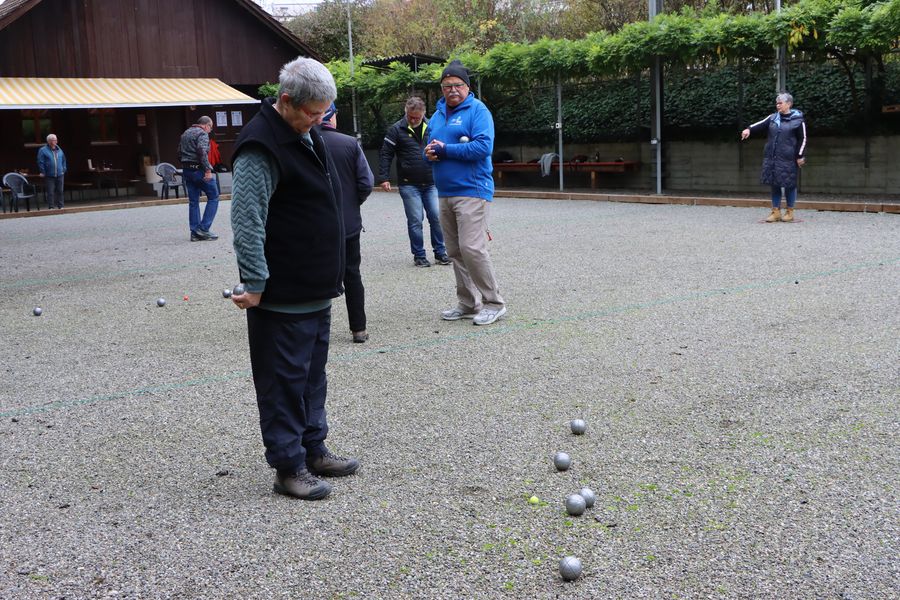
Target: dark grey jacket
{"points": [[412, 168], [194, 147], [353, 172], [786, 143]]}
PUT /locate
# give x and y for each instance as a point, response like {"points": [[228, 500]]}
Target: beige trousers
{"points": [[465, 226]]}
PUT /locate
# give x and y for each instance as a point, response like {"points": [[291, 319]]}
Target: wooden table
{"points": [[614, 166], [101, 175]]}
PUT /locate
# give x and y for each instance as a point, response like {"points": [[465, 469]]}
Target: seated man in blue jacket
{"points": [[461, 139]]}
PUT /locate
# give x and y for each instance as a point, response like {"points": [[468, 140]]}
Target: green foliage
{"points": [[813, 28], [699, 104], [606, 91], [325, 27], [267, 90]]}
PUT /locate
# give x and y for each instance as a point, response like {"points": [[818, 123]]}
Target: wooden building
{"points": [[119, 80]]}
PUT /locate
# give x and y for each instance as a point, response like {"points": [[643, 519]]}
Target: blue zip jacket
{"points": [[466, 168], [46, 163]]}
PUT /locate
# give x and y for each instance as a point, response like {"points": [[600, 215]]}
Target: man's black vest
{"points": [[305, 227]]}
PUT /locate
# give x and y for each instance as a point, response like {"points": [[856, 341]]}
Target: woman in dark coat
{"points": [[784, 154]]}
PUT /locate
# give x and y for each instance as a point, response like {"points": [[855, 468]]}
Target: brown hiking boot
{"points": [[301, 485], [775, 216], [330, 465], [788, 215]]}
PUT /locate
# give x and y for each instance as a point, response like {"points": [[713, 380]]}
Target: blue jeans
{"points": [[790, 194], [194, 184], [415, 199], [53, 189]]}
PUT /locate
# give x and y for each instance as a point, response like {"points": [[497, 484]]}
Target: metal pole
{"points": [[559, 126], [352, 70], [657, 121], [656, 7], [740, 110], [780, 61]]}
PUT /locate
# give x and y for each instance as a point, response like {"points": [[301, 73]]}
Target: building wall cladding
{"points": [[142, 38]]}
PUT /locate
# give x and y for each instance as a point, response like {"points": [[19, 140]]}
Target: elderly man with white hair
{"points": [[52, 164], [287, 219]]}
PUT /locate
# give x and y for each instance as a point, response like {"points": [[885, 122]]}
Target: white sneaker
{"points": [[456, 313], [489, 315]]}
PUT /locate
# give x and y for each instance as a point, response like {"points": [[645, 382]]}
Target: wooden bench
{"points": [[614, 166], [80, 186]]}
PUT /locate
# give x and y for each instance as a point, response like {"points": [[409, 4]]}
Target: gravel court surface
{"points": [[738, 380]]}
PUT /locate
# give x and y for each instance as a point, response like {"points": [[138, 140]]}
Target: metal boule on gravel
{"points": [[575, 505], [226, 293], [562, 461], [578, 426], [238, 290], [588, 495], [570, 568], [160, 301], [38, 311]]}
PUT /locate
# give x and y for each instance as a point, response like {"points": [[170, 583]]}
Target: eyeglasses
{"points": [[450, 86], [312, 115]]}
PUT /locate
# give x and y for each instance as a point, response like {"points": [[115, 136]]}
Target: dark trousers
{"points": [[354, 292], [288, 355]]}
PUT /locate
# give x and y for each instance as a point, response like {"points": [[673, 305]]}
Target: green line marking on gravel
{"points": [[501, 329], [51, 406], [113, 274]]}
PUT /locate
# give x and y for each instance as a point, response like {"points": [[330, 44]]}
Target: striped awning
{"points": [[78, 92]]}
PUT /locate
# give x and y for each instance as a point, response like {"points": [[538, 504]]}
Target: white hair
{"points": [[306, 80]]}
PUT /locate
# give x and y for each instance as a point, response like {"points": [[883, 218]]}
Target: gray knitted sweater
{"points": [[254, 182]]}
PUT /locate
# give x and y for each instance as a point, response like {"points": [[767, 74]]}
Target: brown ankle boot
{"points": [[775, 216], [300, 484], [788, 215]]}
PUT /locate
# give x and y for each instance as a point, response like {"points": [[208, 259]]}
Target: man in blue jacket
{"points": [[461, 140], [52, 165]]}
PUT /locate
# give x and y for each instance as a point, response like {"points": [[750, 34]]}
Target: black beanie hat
{"points": [[456, 69]]}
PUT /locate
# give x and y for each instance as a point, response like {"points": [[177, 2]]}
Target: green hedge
{"points": [[697, 104]]}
